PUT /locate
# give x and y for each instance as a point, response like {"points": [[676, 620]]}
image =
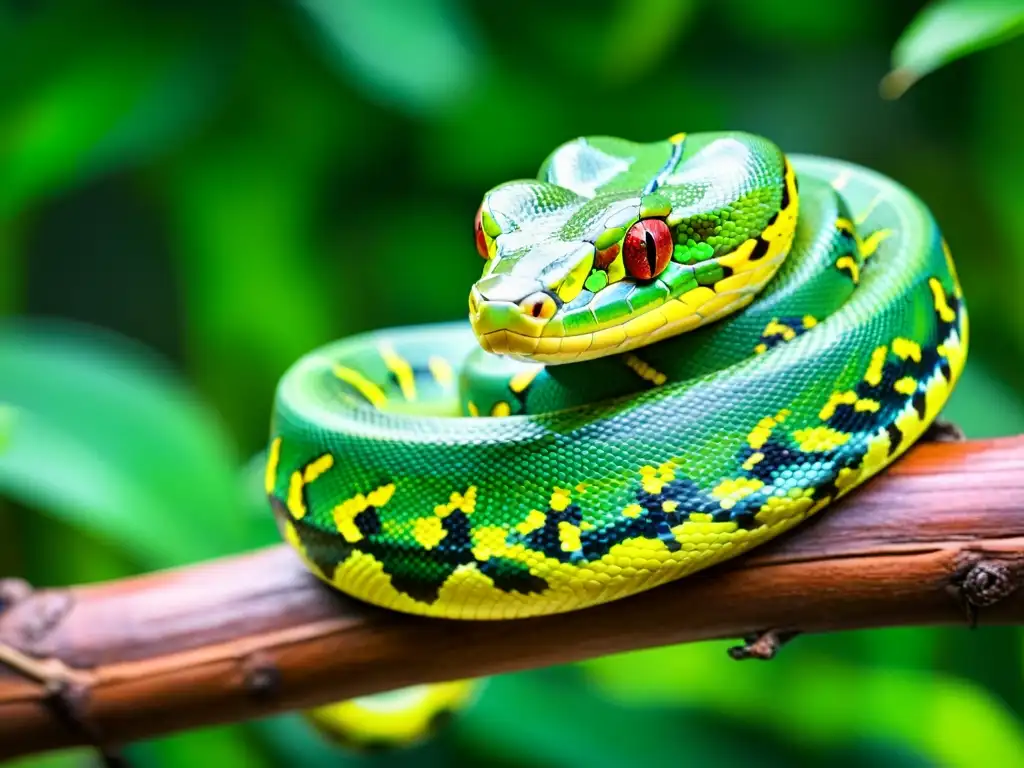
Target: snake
{"points": [[675, 352]]}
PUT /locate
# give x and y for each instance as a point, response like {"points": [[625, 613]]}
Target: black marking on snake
{"points": [[367, 522], [794, 322], [920, 403], [667, 168], [785, 190], [895, 437], [546, 539], [324, 549], [416, 572], [945, 370], [777, 455], [760, 249], [891, 403]]}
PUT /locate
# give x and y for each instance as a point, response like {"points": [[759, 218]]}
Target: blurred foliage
{"points": [[947, 30], [221, 187]]}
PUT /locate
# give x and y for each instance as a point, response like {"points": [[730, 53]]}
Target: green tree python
{"points": [[675, 352]]}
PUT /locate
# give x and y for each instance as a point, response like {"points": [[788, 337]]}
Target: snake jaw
{"points": [[505, 327], [509, 314]]}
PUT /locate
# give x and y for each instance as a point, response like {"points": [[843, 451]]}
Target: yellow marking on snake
{"points": [[345, 513], [906, 349], [370, 391], [273, 458], [428, 531], [848, 397], [870, 244], [906, 386], [939, 297], [653, 479], [873, 376], [759, 434], [644, 370], [957, 290], [489, 541], [617, 269], [300, 478], [524, 378], [501, 409], [463, 502], [441, 370], [569, 536], [535, 520], [399, 366], [796, 504], [316, 468], [473, 410], [753, 460], [560, 499], [732, 489], [677, 138], [849, 264], [296, 504], [815, 439], [845, 225], [775, 328]]}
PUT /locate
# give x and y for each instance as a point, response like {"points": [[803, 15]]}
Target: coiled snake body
{"points": [[676, 352]]}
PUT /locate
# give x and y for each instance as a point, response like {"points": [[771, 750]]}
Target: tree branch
{"points": [[939, 539]]}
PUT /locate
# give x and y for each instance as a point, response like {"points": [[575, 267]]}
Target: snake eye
{"points": [[538, 305], [647, 248], [481, 236]]}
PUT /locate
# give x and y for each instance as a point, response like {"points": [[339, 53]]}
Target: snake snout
{"points": [[508, 314]]}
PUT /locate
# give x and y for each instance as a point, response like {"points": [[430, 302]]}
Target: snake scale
{"points": [[675, 352]]}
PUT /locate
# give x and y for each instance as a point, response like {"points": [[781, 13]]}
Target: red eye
{"points": [[481, 238], [647, 249]]}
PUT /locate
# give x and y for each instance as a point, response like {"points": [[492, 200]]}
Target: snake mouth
{"points": [[507, 327], [504, 327]]}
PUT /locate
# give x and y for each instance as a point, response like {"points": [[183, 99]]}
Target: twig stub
{"points": [[763, 645]]}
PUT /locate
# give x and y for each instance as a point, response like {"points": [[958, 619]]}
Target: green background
{"points": [[213, 189]]}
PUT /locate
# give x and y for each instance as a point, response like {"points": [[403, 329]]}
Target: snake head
{"points": [[617, 245]]}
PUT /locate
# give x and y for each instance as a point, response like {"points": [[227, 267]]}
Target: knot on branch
{"points": [[262, 676], [987, 582], [13, 591], [29, 617], [762, 646], [981, 584]]}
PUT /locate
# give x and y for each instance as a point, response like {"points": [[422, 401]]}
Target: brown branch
{"points": [[939, 539]]}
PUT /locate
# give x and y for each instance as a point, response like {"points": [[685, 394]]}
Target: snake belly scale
{"points": [[676, 351]]}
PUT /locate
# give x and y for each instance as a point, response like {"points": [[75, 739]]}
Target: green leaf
{"points": [[947, 30], [923, 709], [109, 441], [417, 55], [98, 101], [218, 745]]}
